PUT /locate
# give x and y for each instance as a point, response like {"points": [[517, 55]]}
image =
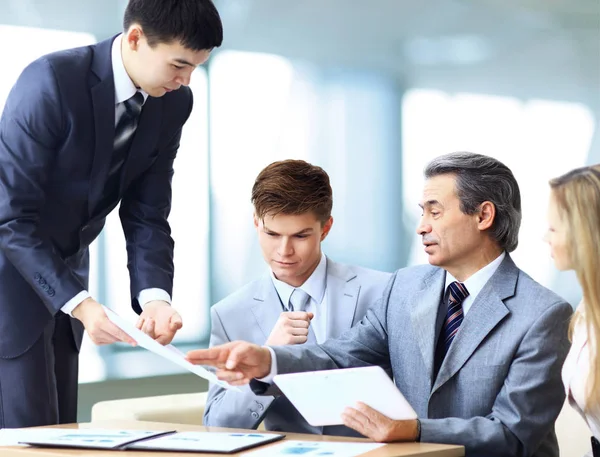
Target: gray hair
{"points": [[481, 178]]}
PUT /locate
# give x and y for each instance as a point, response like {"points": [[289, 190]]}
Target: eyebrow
{"points": [[301, 232], [429, 203], [184, 62]]}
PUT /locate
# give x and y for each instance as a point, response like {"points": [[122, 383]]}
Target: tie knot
{"points": [[134, 104], [458, 292], [298, 300]]}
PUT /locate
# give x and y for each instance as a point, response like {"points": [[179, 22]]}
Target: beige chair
{"points": [[176, 409], [179, 408], [573, 433]]}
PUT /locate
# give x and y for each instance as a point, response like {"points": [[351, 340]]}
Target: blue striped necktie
{"points": [[454, 316], [125, 125], [126, 119]]}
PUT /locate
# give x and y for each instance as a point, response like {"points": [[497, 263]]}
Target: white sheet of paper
{"points": [[168, 352], [314, 448], [322, 396]]}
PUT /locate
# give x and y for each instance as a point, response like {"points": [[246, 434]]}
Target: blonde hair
{"points": [[577, 195]]}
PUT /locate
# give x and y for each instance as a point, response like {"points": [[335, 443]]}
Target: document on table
{"points": [[206, 442], [168, 352], [166, 440], [14, 436], [89, 438], [314, 448]]}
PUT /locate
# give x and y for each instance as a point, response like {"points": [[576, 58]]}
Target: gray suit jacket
{"points": [[498, 391], [251, 313]]}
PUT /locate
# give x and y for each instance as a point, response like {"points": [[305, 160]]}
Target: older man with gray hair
{"points": [[475, 345]]}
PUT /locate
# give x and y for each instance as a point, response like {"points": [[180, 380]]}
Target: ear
{"points": [[133, 36], [326, 228], [255, 219], [486, 215]]}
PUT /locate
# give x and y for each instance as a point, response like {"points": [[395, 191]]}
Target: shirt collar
{"points": [[124, 87], [314, 286], [478, 280]]}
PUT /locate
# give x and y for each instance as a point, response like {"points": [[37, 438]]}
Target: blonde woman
{"points": [[574, 239]]}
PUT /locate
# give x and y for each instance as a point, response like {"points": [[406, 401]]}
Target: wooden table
{"points": [[389, 450]]}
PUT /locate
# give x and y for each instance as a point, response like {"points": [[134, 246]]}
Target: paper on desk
{"points": [[168, 352], [13, 436], [314, 448]]}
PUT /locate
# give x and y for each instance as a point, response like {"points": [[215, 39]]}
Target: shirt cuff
{"points": [[74, 302], [269, 378], [148, 295]]}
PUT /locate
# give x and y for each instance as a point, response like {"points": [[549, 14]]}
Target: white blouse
{"points": [[575, 373]]}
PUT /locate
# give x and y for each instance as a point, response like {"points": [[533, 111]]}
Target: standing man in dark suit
{"points": [[83, 130]]}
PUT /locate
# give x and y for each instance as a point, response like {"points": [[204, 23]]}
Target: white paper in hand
{"points": [[322, 396], [168, 352]]}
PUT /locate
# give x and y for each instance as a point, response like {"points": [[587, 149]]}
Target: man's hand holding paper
{"points": [[160, 321], [99, 327], [372, 424]]}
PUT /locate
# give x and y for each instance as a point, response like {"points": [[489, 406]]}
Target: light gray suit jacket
{"points": [[498, 391], [251, 313]]}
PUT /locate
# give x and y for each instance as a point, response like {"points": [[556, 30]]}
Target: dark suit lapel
{"points": [[145, 137], [267, 306], [342, 298], [485, 314], [424, 316], [103, 101]]}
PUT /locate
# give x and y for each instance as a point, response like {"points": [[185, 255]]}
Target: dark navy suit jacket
{"points": [[56, 142]]}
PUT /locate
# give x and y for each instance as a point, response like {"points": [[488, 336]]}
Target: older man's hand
{"points": [[237, 362], [378, 427]]}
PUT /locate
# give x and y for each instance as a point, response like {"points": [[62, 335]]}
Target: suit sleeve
{"points": [[528, 403], [144, 211], [364, 344], [32, 130], [227, 408]]}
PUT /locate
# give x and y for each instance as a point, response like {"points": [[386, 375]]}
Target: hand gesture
{"points": [[291, 328], [237, 362]]}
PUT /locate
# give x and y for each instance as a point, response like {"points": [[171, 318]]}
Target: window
{"points": [[266, 108], [537, 139]]}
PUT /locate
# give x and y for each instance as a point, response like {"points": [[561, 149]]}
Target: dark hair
{"points": [[292, 187], [196, 24], [480, 178]]}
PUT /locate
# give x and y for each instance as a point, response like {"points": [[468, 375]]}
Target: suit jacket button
{"points": [[260, 406], [255, 415], [51, 292], [45, 287], [38, 276]]}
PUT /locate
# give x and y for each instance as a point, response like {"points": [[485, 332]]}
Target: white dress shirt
{"points": [[315, 286], [124, 90], [476, 281], [575, 373]]}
